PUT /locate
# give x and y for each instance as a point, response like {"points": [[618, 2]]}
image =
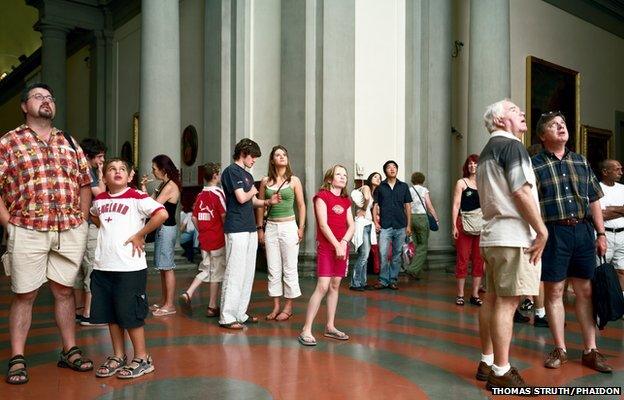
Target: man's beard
{"points": [[46, 113]]}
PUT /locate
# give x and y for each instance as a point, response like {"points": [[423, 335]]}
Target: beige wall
{"points": [[544, 31], [78, 94], [379, 85]]}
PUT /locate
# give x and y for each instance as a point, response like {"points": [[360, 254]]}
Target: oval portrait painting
{"points": [[189, 145]]}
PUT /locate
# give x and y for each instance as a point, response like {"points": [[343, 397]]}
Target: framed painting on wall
{"points": [[596, 144], [551, 87]]}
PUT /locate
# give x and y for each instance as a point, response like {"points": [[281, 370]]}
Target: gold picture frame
{"points": [[135, 139], [551, 87], [597, 144]]}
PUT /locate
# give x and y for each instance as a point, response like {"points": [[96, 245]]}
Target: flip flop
{"points": [[271, 316], [288, 315], [306, 340], [252, 320], [336, 335], [161, 312], [154, 307], [184, 300]]}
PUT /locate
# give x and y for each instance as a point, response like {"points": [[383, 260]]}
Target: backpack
{"points": [[607, 296]]}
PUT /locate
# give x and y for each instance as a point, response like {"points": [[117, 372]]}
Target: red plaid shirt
{"points": [[40, 182]]}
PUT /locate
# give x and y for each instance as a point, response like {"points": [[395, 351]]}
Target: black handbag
{"points": [[150, 237], [606, 295], [433, 224]]}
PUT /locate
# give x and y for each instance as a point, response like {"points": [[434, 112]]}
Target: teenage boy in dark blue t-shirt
{"points": [[241, 234]]}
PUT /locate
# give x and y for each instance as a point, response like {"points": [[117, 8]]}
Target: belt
{"points": [[568, 221], [614, 230]]}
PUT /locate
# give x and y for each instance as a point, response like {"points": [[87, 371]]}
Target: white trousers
{"points": [[282, 253], [240, 267], [615, 249]]}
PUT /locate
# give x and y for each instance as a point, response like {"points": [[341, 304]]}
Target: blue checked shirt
{"points": [[565, 187]]}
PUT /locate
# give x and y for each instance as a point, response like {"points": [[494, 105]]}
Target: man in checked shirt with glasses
{"points": [[45, 187], [569, 196]]}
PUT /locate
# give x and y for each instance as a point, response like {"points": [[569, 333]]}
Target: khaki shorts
{"points": [[508, 271], [37, 256], [83, 279], [212, 267]]}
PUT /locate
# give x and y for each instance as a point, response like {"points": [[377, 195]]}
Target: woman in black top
{"points": [[466, 198], [168, 194]]}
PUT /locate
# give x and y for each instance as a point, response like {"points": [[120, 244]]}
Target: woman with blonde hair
{"points": [[334, 229], [283, 231]]}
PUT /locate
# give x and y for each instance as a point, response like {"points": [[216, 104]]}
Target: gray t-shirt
{"points": [[504, 167]]}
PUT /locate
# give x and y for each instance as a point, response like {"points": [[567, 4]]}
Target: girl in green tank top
{"points": [[283, 231]]}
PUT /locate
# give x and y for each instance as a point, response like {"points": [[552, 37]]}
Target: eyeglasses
{"points": [[40, 97]]}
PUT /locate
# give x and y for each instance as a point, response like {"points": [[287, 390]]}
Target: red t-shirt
{"points": [[209, 206], [337, 208]]}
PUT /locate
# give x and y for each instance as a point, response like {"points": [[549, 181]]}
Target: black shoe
{"points": [[540, 322], [368, 287], [519, 318], [356, 288]]}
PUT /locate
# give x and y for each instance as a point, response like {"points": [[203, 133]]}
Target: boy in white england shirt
{"points": [[119, 275]]}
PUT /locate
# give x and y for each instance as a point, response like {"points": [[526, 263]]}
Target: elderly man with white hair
{"points": [[512, 239]]}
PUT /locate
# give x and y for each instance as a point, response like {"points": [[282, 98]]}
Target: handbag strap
{"points": [[266, 215], [421, 200]]}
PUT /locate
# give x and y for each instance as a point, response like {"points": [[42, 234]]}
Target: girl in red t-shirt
{"points": [[334, 229]]}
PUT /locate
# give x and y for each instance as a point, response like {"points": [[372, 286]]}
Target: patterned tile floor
{"points": [[408, 344]]}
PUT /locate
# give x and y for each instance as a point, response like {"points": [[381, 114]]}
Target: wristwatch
{"points": [[601, 234]]}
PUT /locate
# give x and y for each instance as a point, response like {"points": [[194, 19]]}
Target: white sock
{"points": [[540, 312], [500, 371], [488, 359]]}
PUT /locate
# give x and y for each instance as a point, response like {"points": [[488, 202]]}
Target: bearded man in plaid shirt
{"points": [[45, 187]]}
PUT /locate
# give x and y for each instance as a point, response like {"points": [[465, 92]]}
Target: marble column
{"points": [[428, 102], [160, 82], [489, 64], [54, 67], [100, 55]]}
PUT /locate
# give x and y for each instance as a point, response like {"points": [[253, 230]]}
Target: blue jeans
{"points": [[358, 279], [390, 271]]}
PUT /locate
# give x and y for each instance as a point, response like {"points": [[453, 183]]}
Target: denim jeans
{"points": [[390, 270], [358, 279]]}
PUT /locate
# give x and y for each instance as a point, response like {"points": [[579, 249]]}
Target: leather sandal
{"points": [[233, 325], [476, 301], [184, 300], [138, 367], [109, 366], [459, 300], [286, 316], [77, 363], [212, 312], [19, 372]]}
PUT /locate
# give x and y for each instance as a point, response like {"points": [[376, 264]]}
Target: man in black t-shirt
{"points": [[392, 214], [240, 234]]}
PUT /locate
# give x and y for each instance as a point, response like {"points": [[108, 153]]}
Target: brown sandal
{"points": [[212, 312]]}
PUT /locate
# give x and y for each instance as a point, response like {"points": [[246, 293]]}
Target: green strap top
{"points": [[286, 207]]}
